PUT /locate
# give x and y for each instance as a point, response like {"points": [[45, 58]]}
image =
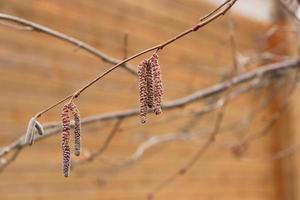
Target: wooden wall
{"points": [[36, 71]]}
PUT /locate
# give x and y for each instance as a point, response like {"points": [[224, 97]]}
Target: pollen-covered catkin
{"points": [[157, 83], [65, 139], [143, 90], [150, 87], [77, 128]]}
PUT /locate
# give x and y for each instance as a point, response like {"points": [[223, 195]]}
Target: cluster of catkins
{"points": [[150, 86], [69, 108], [151, 92]]}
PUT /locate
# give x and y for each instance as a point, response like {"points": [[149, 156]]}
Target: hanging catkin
{"points": [[157, 83], [77, 128], [143, 90], [33, 127], [39, 128], [65, 139], [150, 87], [29, 138]]}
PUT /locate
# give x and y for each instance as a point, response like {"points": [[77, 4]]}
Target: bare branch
{"points": [[103, 147], [31, 26], [54, 128]]}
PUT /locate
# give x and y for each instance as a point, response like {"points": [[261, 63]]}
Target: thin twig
{"points": [[275, 117], [103, 147], [292, 7], [214, 11], [283, 153], [5, 163], [71, 40]]}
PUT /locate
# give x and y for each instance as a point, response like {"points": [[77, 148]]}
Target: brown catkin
{"points": [[77, 128], [39, 128], [157, 84], [143, 90], [65, 139], [150, 87]]}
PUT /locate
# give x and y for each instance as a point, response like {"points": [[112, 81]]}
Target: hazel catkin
{"points": [[39, 128], [77, 128], [150, 86], [157, 83], [29, 138], [143, 90], [65, 139]]}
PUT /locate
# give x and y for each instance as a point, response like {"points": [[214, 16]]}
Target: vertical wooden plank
{"points": [[281, 132]]}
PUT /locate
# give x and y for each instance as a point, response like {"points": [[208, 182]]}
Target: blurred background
{"points": [[37, 70]]}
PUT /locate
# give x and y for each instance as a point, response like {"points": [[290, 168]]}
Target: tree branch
{"points": [[55, 128], [31, 26]]}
